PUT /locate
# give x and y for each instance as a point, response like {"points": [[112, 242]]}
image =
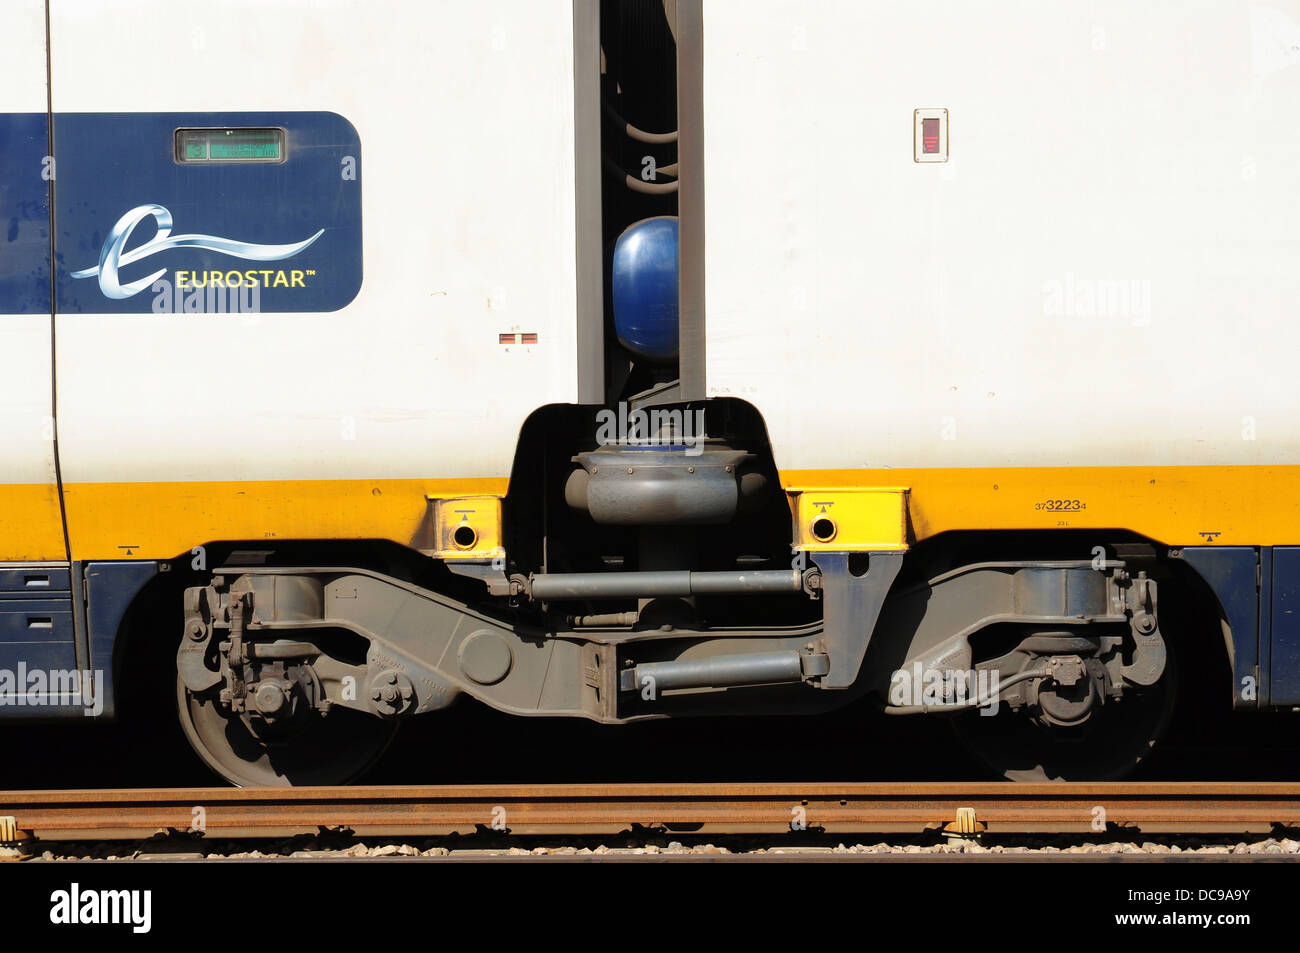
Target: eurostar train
{"points": [[632, 359]]}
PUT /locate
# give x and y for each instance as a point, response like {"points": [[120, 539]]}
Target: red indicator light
{"points": [[528, 338], [929, 136]]}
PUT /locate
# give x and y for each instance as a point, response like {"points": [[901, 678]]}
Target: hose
{"points": [[640, 135], [635, 184]]}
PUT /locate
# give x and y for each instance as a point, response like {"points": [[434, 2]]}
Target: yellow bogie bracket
{"points": [[870, 519], [466, 527]]}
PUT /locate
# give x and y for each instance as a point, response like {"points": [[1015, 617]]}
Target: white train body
{"points": [[1100, 275], [172, 424]]}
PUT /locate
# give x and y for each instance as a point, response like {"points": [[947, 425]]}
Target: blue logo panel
{"points": [[139, 231], [24, 214]]}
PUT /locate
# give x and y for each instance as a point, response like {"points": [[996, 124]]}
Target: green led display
{"points": [[230, 145]]}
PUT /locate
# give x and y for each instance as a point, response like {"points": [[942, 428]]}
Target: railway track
{"points": [[914, 808]]}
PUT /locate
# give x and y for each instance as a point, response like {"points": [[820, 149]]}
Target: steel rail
{"points": [[686, 808]]}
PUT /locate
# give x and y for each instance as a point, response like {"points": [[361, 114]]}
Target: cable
{"points": [[977, 703]]}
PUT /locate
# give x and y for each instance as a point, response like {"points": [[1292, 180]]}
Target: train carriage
{"points": [[644, 359]]}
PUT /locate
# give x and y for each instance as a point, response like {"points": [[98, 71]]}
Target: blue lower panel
{"points": [[38, 659], [39, 675], [1284, 665], [1232, 572], [34, 581], [31, 657], [110, 589], [38, 650], [36, 621]]}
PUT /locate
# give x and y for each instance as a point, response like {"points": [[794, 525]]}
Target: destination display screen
{"points": [[230, 145]]}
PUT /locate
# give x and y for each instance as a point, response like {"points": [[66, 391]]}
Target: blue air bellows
{"points": [[645, 288]]}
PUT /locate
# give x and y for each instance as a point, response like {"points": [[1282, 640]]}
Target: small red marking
{"points": [[518, 337], [929, 136]]}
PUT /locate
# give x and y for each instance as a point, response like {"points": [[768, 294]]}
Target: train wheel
{"points": [[1109, 745], [329, 749]]}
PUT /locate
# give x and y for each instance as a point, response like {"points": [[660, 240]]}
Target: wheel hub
{"points": [[257, 712], [282, 702], [1069, 697]]}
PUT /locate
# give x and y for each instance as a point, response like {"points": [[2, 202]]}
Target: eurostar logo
{"points": [[113, 255]]}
